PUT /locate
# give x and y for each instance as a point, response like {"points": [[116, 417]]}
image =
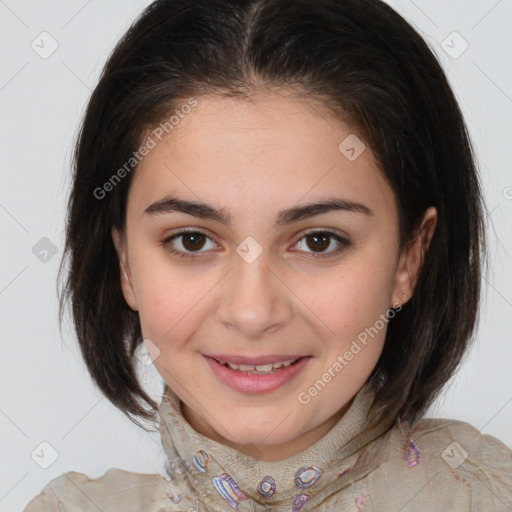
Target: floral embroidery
{"points": [[267, 486], [412, 454], [175, 498], [307, 476], [359, 501], [200, 461], [298, 501], [228, 489]]}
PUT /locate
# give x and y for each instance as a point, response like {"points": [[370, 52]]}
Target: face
{"points": [[250, 281]]}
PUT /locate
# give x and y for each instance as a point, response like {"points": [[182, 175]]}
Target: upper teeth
{"points": [[259, 367]]}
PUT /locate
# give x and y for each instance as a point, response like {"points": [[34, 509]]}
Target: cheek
{"points": [[170, 299], [359, 288], [351, 298]]}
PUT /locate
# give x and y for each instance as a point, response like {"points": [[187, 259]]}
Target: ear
{"points": [[126, 278], [411, 259]]}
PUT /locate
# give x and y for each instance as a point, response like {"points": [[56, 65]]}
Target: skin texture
{"points": [[254, 159]]}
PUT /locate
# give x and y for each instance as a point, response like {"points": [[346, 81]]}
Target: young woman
{"points": [[280, 198]]}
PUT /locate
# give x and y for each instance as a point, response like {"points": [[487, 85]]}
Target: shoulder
{"points": [[76, 492], [458, 442], [455, 461]]}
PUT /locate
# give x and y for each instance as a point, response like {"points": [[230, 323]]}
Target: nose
{"points": [[254, 301]]}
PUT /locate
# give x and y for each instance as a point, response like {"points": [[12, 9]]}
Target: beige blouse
{"points": [[440, 466]]}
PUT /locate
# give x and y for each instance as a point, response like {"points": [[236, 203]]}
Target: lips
{"points": [[255, 360], [251, 382]]}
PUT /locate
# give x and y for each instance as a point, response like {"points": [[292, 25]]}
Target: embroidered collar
{"points": [[219, 475]]}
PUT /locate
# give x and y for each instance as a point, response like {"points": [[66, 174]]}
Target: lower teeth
{"points": [[254, 372]]}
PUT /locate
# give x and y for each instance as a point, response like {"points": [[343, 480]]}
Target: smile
{"points": [[256, 378], [258, 368]]}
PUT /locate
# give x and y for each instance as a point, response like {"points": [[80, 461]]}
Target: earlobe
{"points": [[126, 280], [412, 257], [403, 280]]}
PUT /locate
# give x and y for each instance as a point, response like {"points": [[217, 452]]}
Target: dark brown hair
{"points": [[365, 64]]}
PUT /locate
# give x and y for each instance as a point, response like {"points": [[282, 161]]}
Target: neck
{"points": [[266, 453]]}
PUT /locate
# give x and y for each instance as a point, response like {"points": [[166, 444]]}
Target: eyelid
{"points": [[330, 231], [341, 239], [166, 242]]}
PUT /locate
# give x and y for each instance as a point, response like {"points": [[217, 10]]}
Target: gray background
{"points": [[46, 394]]}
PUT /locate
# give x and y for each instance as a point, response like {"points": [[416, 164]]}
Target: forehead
{"points": [[274, 148]]}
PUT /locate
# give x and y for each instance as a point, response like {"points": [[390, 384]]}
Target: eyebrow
{"points": [[284, 217]]}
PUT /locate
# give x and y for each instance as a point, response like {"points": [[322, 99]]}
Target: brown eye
{"points": [[319, 241], [191, 242]]}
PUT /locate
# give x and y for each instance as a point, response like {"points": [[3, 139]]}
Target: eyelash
{"points": [[166, 244]]}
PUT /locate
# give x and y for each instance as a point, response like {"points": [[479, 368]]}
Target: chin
{"points": [[247, 433], [248, 444]]}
